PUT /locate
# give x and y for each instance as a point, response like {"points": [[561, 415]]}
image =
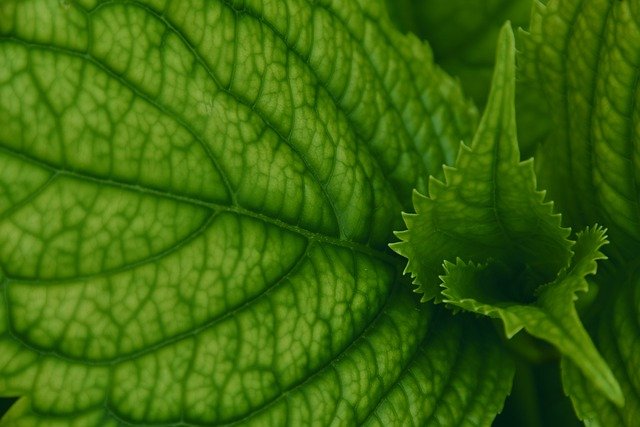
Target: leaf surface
{"points": [[195, 200]]}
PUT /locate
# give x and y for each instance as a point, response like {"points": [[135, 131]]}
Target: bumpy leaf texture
{"points": [[195, 200]]}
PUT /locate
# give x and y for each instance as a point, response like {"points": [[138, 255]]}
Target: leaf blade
{"points": [[211, 246]]}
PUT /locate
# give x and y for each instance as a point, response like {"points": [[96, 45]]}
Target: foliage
{"points": [[197, 200]]}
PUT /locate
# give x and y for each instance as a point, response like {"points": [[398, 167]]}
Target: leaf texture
{"points": [[195, 200]]}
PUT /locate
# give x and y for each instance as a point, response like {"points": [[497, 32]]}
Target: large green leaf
{"points": [[195, 200], [584, 56]]}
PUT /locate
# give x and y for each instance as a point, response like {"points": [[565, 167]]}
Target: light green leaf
{"points": [[489, 207], [616, 333], [551, 317], [195, 202], [584, 56]]}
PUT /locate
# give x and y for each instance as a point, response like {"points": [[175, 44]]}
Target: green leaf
{"points": [[489, 207], [551, 317], [585, 60], [616, 333], [195, 201]]}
